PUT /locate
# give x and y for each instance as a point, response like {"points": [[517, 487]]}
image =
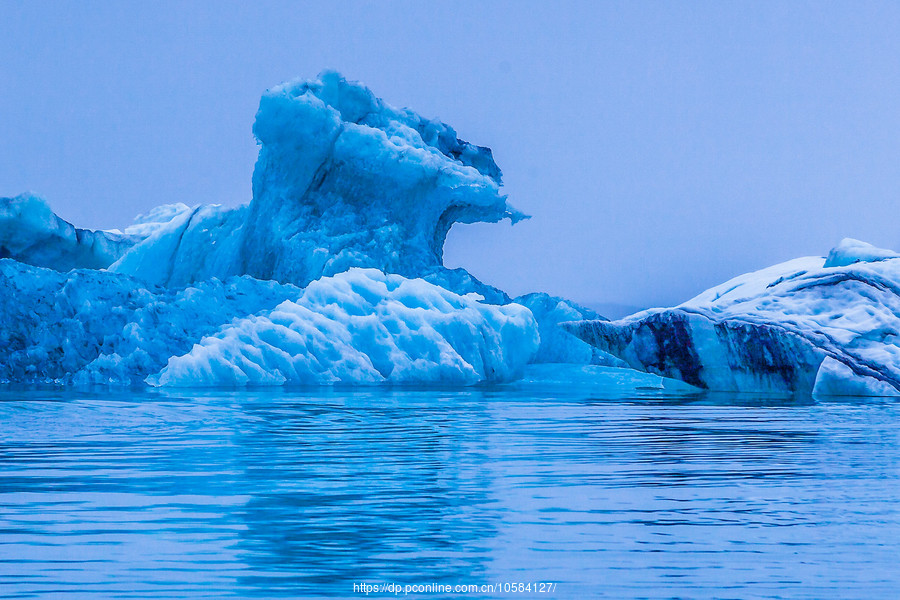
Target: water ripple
{"points": [[305, 492]]}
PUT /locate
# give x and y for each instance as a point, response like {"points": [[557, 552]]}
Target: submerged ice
{"points": [[829, 326]]}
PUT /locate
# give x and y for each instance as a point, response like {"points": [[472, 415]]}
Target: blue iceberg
{"points": [[827, 326], [333, 273]]}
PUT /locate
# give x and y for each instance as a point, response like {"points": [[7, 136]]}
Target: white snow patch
{"points": [[363, 326]]}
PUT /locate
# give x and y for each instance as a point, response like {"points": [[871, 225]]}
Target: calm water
{"points": [[608, 490]]}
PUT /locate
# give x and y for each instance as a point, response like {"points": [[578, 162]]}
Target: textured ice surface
{"points": [[90, 326], [794, 327], [835, 378], [353, 181], [343, 180], [197, 244], [363, 326], [148, 223]]}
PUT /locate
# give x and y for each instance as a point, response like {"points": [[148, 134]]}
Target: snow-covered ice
{"points": [[89, 326], [799, 326], [363, 326]]}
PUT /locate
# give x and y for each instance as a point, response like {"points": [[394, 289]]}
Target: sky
{"points": [[661, 148]]}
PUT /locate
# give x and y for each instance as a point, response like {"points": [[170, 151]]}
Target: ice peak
{"points": [[851, 251], [355, 103], [344, 179]]}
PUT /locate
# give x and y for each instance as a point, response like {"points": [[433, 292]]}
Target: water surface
{"points": [[609, 488]]}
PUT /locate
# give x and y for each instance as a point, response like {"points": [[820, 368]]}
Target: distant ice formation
{"points": [[808, 325], [31, 233], [851, 251]]}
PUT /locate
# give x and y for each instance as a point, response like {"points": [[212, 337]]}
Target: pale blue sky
{"points": [[660, 147]]}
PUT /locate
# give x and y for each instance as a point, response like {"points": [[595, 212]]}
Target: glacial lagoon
{"points": [[601, 482]]}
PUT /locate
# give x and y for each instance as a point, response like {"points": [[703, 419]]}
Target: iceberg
{"points": [[810, 325], [333, 273]]}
